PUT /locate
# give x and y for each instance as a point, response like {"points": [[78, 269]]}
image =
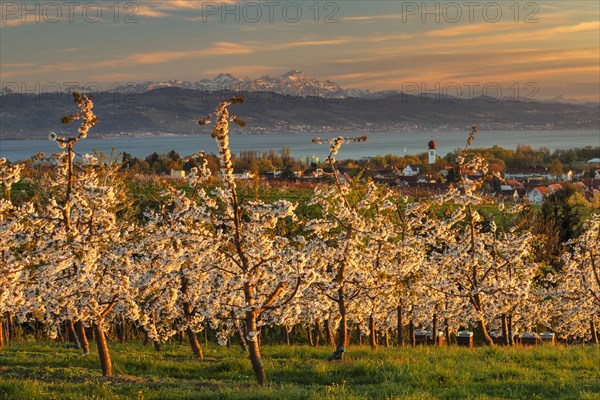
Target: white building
{"points": [[411, 170], [536, 196]]}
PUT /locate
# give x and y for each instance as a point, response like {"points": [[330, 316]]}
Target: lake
{"points": [[398, 143]]}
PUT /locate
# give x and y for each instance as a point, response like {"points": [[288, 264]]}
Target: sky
{"points": [[535, 50]]}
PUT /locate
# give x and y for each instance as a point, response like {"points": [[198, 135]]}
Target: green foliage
{"points": [[34, 370], [527, 157]]}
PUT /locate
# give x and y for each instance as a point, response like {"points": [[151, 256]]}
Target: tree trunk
{"points": [[387, 338], [286, 336], [146, 338], [105, 362], [434, 330], [342, 340], [60, 336], [72, 334], [372, 333], [411, 330], [511, 336], [328, 334], [311, 342], [505, 334], [196, 349], [358, 334], [254, 349], [10, 326], [317, 333], [239, 333], [206, 335], [181, 336], [157, 345], [1, 334], [483, 329], [594, 330], [83, 341], [400, 327]]}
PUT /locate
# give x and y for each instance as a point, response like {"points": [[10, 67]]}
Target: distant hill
{"points": [[176, 110]]}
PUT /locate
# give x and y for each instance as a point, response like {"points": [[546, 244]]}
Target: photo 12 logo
{"points": [[26, 12], [61, 92], [270, 12], [469, 11], [452, 92]]}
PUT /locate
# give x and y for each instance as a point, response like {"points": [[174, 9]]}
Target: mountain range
{"points": [[292, 102], [292, 83]]}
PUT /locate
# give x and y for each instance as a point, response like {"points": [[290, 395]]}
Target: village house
{"points": [[537, 195], [411, 170]]}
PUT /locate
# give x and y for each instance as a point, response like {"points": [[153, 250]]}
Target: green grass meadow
{"points": [[34, 370]]}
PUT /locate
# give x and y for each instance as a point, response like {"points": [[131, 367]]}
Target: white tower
{"points": [[432, 152]]}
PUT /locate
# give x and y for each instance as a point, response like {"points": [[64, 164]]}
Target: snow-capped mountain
{"points": [[293, 83]]}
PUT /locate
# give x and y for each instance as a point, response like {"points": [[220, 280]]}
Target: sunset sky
{"points": [[375, 45]]}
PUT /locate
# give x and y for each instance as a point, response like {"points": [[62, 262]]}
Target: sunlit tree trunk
{"points": [[483, 330], [10, 326], [342, 340], [254, 350], [194, 344], [103, 353]]}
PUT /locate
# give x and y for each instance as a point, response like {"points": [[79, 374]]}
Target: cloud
{"points": [[471, 29], [369, 18], [150, 12], [17, 65], [218, 49], [246, 70], [175, 5], [310, 43], [139, 59]]}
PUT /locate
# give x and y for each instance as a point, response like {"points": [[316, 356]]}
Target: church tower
{"points": [[432, 151]]}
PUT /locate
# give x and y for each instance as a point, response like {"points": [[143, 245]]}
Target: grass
{"points": [[39, 370]]}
